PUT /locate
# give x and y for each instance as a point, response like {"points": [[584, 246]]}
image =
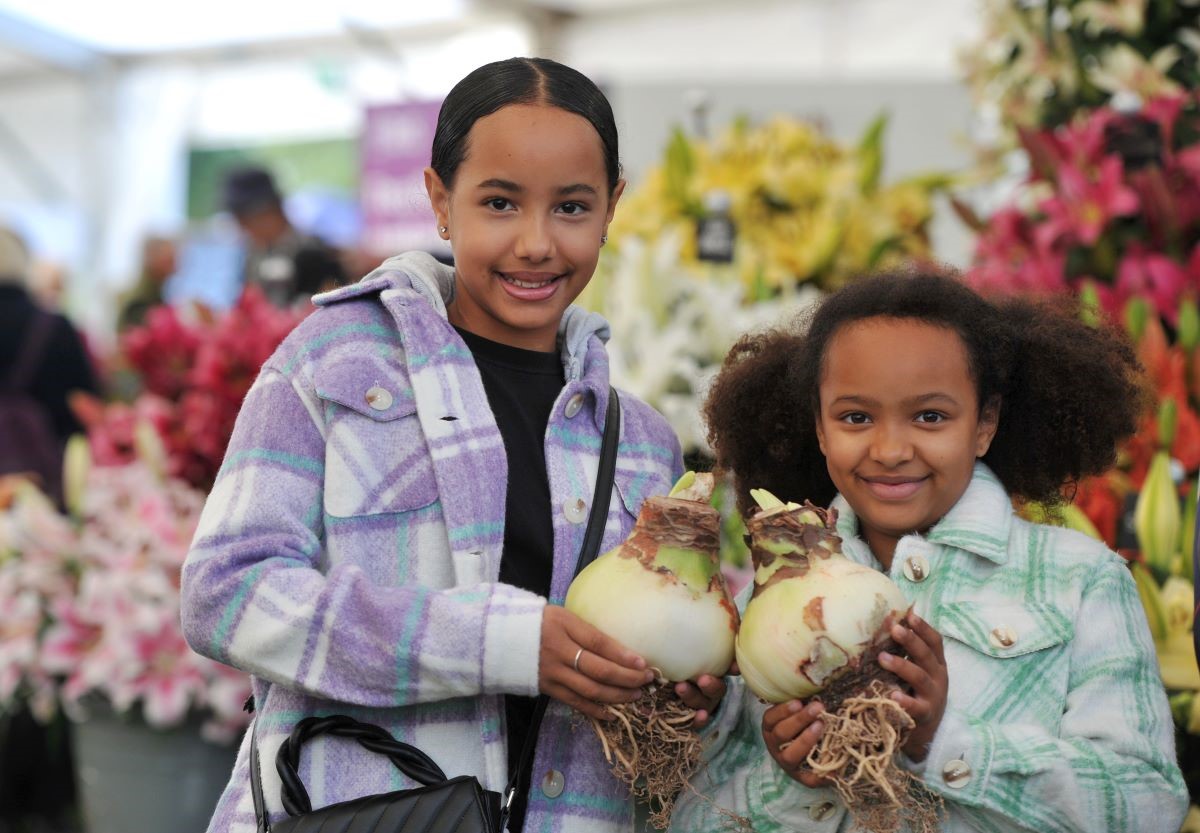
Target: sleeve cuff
{"points": [[512, 640]]}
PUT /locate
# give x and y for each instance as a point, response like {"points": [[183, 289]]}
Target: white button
{"points": [[573, 405], [822, 811], [576, 510], [553, 784], [1002, 636], [916, 568], [379, 398], [956, 773]]}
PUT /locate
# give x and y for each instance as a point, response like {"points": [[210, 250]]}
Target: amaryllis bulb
{"points": [[661, 592], [814, 613]]}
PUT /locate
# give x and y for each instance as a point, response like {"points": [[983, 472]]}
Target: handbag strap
{"points": [[410, 760], [597, 519]]}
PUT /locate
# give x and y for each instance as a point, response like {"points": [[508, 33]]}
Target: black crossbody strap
{"points": [[597, 519], [592, 536], [260, 807]]}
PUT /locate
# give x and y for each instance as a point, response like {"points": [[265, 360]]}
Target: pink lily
{"points": [[1082, 208], [1152, 275]]}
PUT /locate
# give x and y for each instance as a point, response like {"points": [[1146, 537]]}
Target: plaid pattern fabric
{"points": [[348, 554], [1065, 729]]}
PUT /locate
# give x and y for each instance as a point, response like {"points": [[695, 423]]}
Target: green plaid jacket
{"points": [[1056, 718]]}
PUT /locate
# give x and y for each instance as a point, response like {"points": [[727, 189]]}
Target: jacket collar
{"points": [[978, 523], [434, 283]]}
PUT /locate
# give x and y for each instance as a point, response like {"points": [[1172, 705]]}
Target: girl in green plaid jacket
{"points": [[922, 410]]}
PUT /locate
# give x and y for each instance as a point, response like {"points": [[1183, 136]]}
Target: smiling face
{"points": [[900, 425], [525, 216]]}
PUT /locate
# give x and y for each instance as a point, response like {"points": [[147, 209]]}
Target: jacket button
{"points": [[379, 398], [956, 773], [916, 568], [574, 404], [576, 510], [1002, 636], [822, 811], [553, 784]]}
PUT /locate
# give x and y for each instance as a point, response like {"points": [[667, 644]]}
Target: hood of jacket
{"points": [[434, 282]]}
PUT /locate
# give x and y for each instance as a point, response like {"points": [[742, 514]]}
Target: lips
{"points": [[530, 286], [893, 488]]}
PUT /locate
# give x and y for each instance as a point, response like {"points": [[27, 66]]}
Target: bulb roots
{"points": [[857, 752]]}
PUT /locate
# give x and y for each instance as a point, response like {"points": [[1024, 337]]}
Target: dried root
{"points": [[857, 752], [653, 748]]}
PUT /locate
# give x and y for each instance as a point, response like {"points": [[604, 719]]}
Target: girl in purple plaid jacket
{"points": [[401, 506]]}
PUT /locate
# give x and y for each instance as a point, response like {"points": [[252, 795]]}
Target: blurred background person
{"points": [[159, 263], [287, 265], [42, 361]]}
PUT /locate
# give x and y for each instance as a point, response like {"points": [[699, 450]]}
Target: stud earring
{"points": [[442, 229], [603, 239]]}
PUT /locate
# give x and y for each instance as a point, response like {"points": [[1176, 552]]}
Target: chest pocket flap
{"points": [[1005, 629], [376, 457]]}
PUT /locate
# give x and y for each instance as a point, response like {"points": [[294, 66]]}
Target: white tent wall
{"points": [[116, 141]]}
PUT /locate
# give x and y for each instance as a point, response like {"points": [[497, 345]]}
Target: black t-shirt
{"points": [[522, 386]]}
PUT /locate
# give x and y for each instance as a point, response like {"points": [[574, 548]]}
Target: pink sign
{"points": [[396, 143]]}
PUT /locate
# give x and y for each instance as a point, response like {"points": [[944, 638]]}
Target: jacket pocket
{"points": [[1009, 675], [1005, 629], [376, 457]]}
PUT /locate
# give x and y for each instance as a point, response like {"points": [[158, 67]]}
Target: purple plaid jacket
{"points": [[348, 554]]}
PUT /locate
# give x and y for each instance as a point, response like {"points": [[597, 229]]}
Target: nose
{"points": [[890, 445], [535, 241]]}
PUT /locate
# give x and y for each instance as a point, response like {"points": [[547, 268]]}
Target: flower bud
{"points": [[150, 448], [1089, 304], [1189, 324], [1168, 420], [1151, 597], [77, 463], [1156, 516], [1137, 312]]}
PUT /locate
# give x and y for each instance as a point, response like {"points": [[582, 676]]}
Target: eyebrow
{"points": [[514, 188], [923, 399]]}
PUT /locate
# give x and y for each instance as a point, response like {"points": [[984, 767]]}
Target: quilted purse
{"points": [[441, 804]]}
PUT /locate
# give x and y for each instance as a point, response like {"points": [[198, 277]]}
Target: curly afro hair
{"points": [[1068, 392]]}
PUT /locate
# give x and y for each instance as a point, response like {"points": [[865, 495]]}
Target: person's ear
{"points": [[989, 422], [439, 198], [820, 434], [612, 203]]}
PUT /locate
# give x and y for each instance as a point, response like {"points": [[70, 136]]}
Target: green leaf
{"points": [[870, 154], [678, 168], [1151, 598]]}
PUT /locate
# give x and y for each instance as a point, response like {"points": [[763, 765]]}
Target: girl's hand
{"points": [[606, 671], [925, 671], [791, 730], [702, 694]]}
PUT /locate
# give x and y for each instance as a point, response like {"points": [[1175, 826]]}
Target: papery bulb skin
{"points": [[815, 616], [661, 592]]}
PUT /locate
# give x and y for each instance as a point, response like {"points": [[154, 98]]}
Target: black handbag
{"points": [[441, 805]]}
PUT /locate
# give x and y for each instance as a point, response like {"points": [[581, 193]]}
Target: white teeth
{"points": [[526, 284]]}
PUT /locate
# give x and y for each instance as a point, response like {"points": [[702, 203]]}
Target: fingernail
{"points": [[816, 729], [815, 709], [885, 658], [795, 706]]}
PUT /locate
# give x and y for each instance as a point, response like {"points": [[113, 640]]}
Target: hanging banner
{"points": [[396, 142]]}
